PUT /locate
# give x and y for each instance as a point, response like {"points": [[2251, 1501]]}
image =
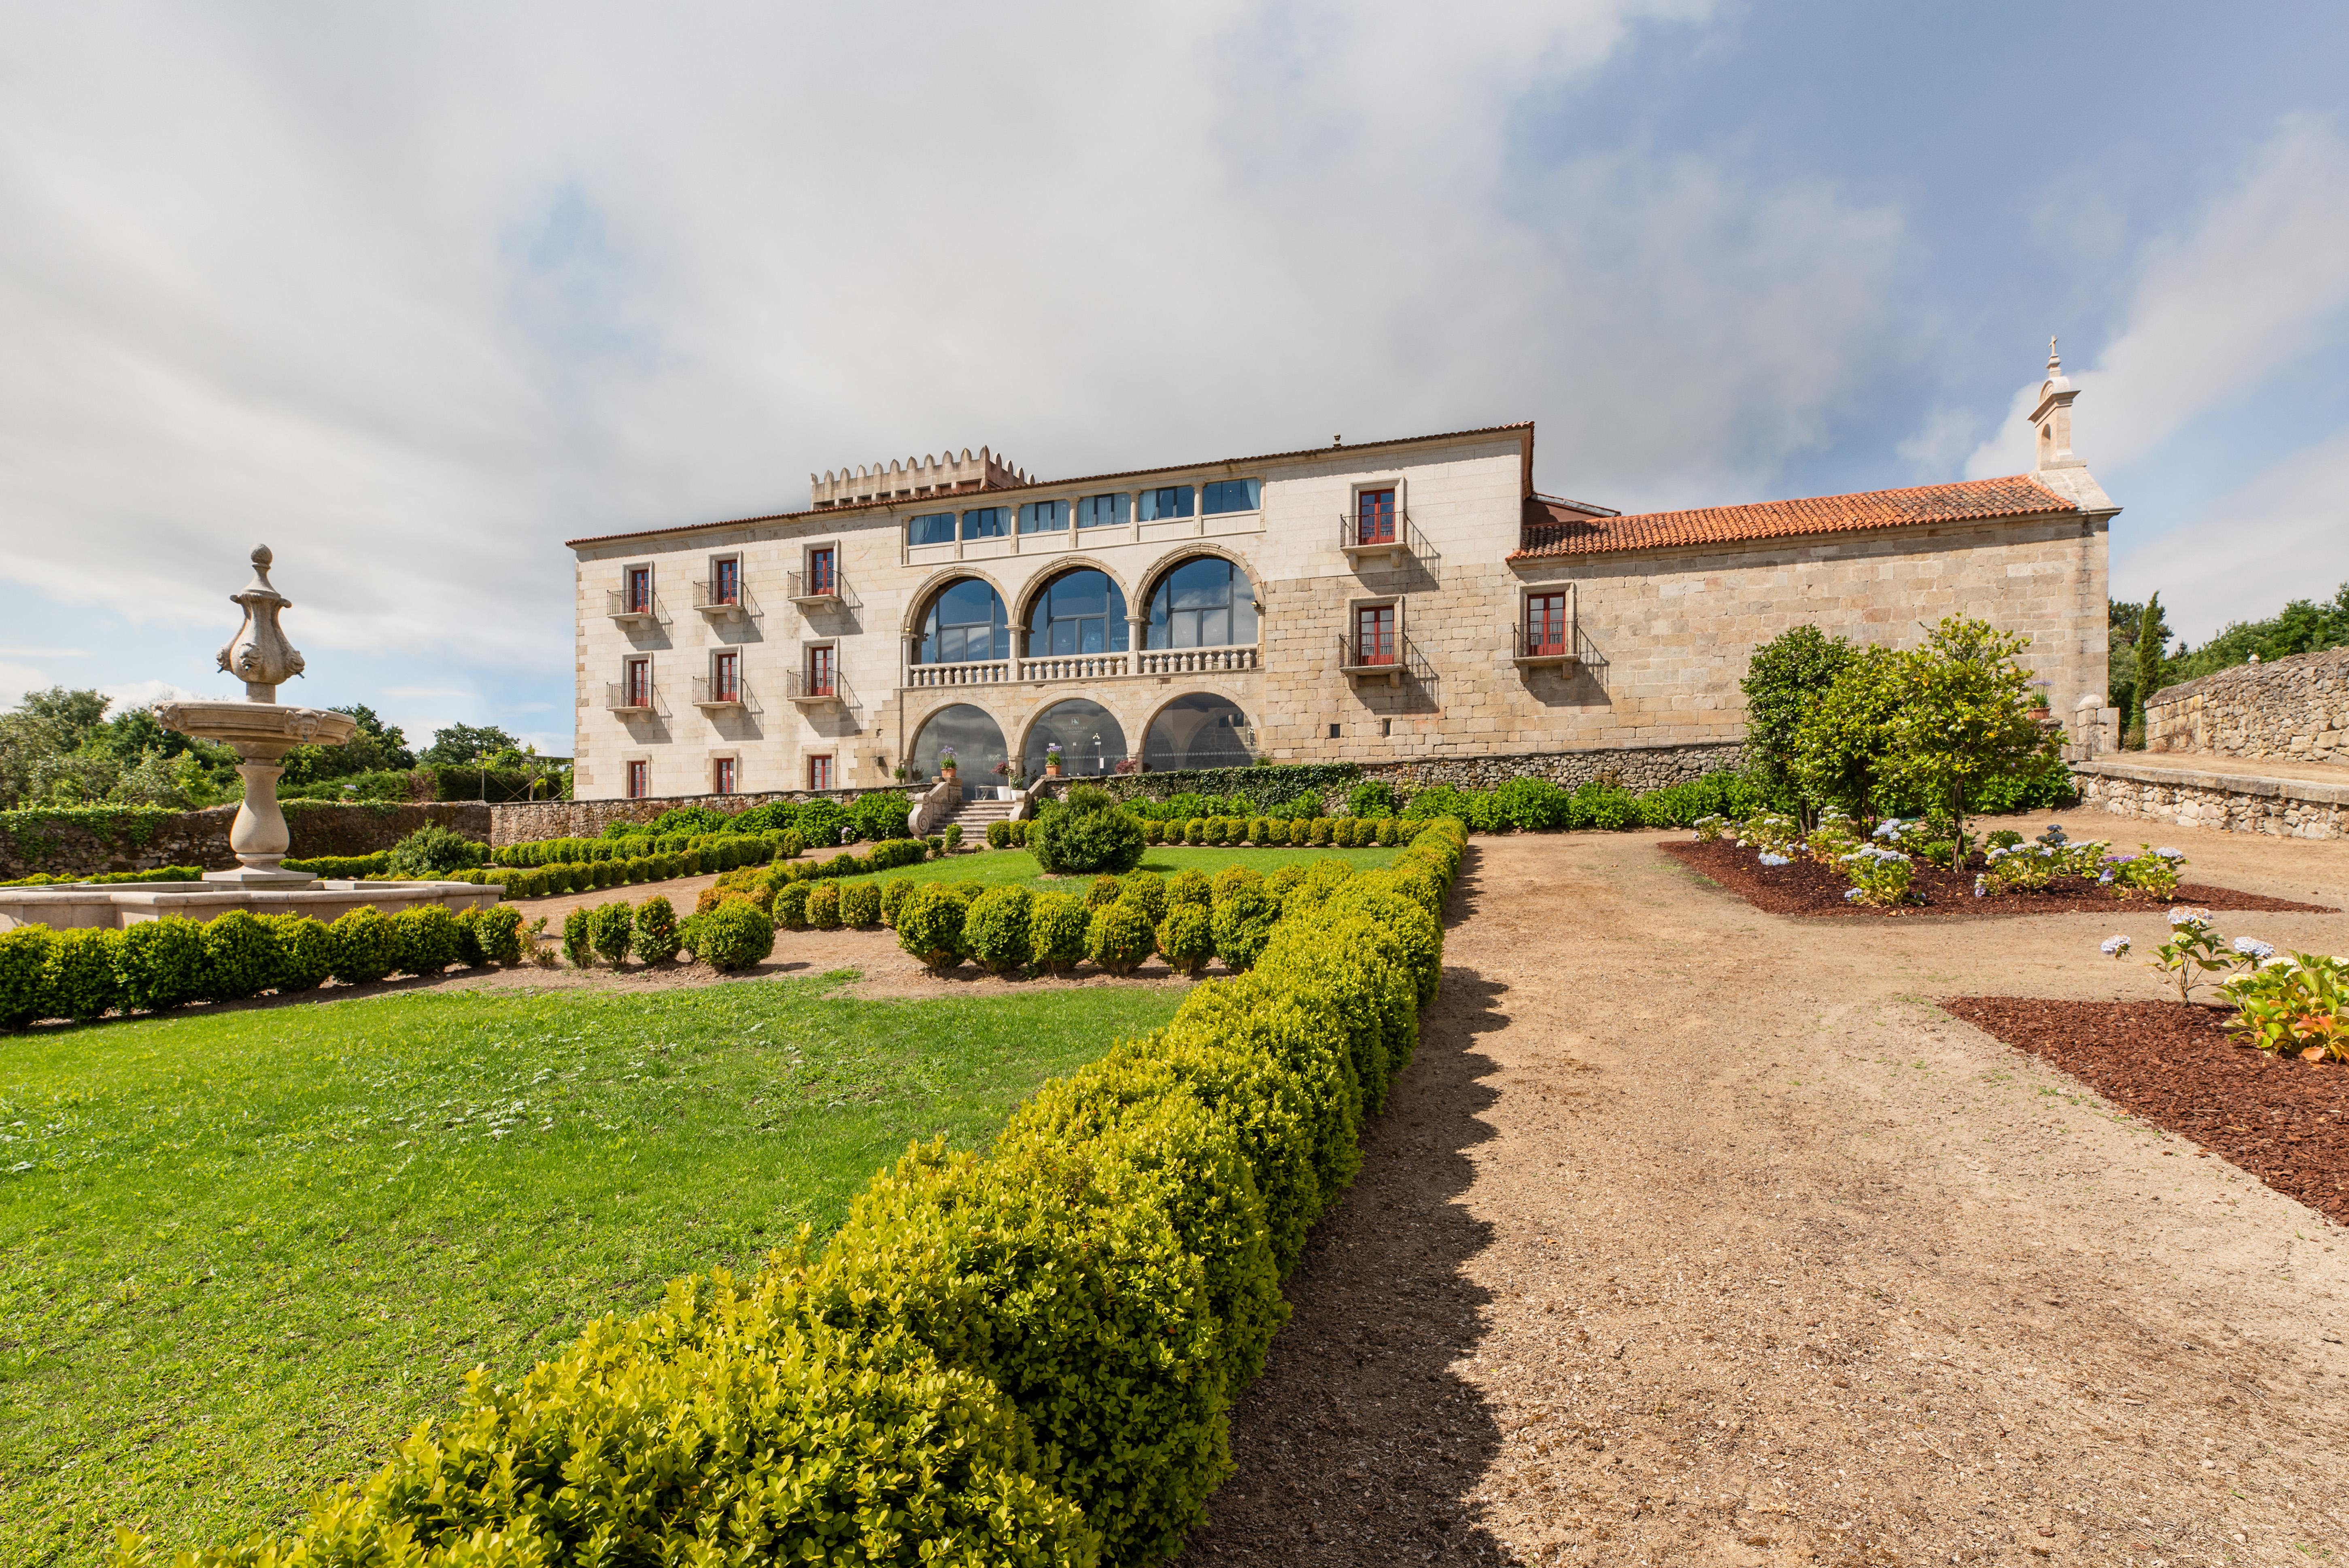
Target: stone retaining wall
{"points": [[2295, 708], [201, 837], [2287, 808], [1635, 768]]}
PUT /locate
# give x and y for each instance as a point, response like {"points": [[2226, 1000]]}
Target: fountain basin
{"points": [[84, 906]]}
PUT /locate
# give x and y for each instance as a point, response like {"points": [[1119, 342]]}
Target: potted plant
{"points": [[947, 761], [1052, 759]]}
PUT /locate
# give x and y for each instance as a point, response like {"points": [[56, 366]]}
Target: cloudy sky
{"points": [[416, 292]]}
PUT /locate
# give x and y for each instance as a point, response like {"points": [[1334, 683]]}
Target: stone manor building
{"points": [[1383, 601]]}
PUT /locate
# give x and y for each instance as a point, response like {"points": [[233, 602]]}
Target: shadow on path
{"points": [[1358, 1444]]}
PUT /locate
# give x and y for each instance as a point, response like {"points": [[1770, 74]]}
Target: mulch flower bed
{"points": [[2172, 1063], [1806, 887]]}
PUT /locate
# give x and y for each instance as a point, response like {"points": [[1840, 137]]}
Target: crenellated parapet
{"points": [[937, 474]]}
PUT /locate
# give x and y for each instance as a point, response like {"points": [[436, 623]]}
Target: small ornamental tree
{"points": [[1965, 718], [1784, 680], [1840, 746]]}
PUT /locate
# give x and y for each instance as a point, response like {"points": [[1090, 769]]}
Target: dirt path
{"points": [[1701, 1235]]}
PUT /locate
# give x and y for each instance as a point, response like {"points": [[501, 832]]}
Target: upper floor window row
{"points": [[1160, 505]]}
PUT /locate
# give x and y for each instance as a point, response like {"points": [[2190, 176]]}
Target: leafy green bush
{"points": [[365, 946], [432, 850], [882, 816], [656, 938], [497, 931], [999, 834], [1147, 888], [1102, 892], [1153, 830], [820, 823], [791, 910], [823, 907], [732, 936], [995, 929], [1242, 923], [612, 931], [1371, 797], [83, 977], [1120, 937], [1058, 924], [303, 955], [579, 938], [240, 956], [1187, 936], [1190, 887], [161, 964], [1085, 833], [860, 904], [425, 939], [894, 895], [24, 962], [930, 926]]}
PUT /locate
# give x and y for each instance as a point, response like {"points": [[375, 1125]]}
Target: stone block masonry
{"points": [[2295, 708], [2174, 791]]}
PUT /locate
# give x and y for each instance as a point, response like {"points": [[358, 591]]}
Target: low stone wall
{"points": [[526, 822], [1636, 768], [35, 845], [2231, 802], [2295, 708]]}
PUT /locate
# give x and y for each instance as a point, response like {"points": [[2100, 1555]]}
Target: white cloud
{"points": [[2284, 535], [127, 695], [44, 653], [461, 693], [417, 294], [15, 679], [2250, 290]]}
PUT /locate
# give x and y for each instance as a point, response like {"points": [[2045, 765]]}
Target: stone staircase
{"points": [[973, 816]]}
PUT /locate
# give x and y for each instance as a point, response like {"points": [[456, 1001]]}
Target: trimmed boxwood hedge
{"points": [[1026, 1356]]}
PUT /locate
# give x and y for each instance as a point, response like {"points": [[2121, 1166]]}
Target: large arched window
{"points": [[1091, 740], [1204, 602], [965, 622], [1199, 731], [1081, 611], [976, 740]]}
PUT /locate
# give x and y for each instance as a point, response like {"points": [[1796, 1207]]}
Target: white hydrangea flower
{"points": [[2115, 947]]}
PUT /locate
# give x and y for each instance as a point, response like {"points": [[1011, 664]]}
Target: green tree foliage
{"points": [[1965, 717], [465, 745], [1086, 833], [375, 747], [2152, 638], [59, 748], [1839, 743], [433, 851], [1784, 682]]}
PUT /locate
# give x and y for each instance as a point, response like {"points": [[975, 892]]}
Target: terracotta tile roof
{"points": [[1552, 531], [884, 504]]}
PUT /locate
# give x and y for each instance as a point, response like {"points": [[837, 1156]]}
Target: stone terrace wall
{"points": [[2293, 707], [56, 848], [522, 823], [1636, 768], [2285, 808]]}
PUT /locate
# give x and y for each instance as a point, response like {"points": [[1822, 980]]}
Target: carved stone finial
{"points": [[259, 654], [2055, 365]]}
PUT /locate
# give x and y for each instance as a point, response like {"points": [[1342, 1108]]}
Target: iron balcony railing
{"points": [[1382, 655], [1386, 531], [1547, 642], [714, 599], [719, 692], [630, 696], [620, 604], [816, 587], [813, 687]]}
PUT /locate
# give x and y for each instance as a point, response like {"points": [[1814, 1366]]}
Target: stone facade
{"points": [[2231, 803], [2295, 708], [1660, 638]]}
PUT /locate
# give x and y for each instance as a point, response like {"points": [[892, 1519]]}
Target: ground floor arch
{"points": [[1199, 730], [974, 735], [1091, 740]]}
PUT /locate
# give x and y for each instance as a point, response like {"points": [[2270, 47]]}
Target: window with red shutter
{"points": [[1374, 634], [1374, 517], [721, 780], [1546, 623]]}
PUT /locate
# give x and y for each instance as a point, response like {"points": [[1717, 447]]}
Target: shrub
{"points": [[1371, 797], [1242, 923], [2150, 871], [612, 931], [1877, 876], [823, 907], [365, 946], [579, 938], [1191, 888], [894, 895], [995, 929], [24, 960], [498, 931], [1231, 879], [819, 822], [1147, 888], [1102, 892], [896, 852], [303, 953], [930, 926], [1086, 833], [860, 904], [733, 936], [1058, 925], [882, 816], [1320, 832], [2296, 1005], [432, 850], [791, 910], [1188, 938], [161, 964], [1194, 831], [657, 940], [999, 834], [82, 979], [1391, 832], [1153, 830], [425, 939], [1019, 833], [1120, 937]]}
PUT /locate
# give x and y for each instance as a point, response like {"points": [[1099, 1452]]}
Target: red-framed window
{"points": [[640, 590], [721, 775], [1546, 623], [726, 581], [639, 683], [640, 780], [818, 773], [1374, 634], [822, 676], [1374, 517], [822, 575], [726, 677]]}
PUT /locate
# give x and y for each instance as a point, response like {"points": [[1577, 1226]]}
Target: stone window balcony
{"points": [[713, 695], [723, 603], [630, 608], [1363, 660], [1084, 666], [631, 697], [1390, 541], [1542, 650], [815, 589], [820, 690]]}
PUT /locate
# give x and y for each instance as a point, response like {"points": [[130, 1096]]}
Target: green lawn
{"points": [[995, 866], [242, 1253]]}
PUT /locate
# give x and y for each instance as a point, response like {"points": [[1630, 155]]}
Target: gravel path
{"points": [[1696, 1234]]}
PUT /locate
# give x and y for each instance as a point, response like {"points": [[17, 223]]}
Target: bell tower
{"points": [[2053, 418]]}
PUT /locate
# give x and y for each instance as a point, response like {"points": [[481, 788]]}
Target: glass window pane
{"points": [[935, 528], [1064, 637], [1093, 636], [1215, 627], [1101, 511]]}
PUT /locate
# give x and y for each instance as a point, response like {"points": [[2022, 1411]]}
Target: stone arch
{"points": [[1174, 561], [1211, 691], [918, 602], [1036, 587], [1073, 730], [930, 597]]}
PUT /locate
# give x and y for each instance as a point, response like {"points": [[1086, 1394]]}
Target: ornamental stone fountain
{"points": [[261, 732]]}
